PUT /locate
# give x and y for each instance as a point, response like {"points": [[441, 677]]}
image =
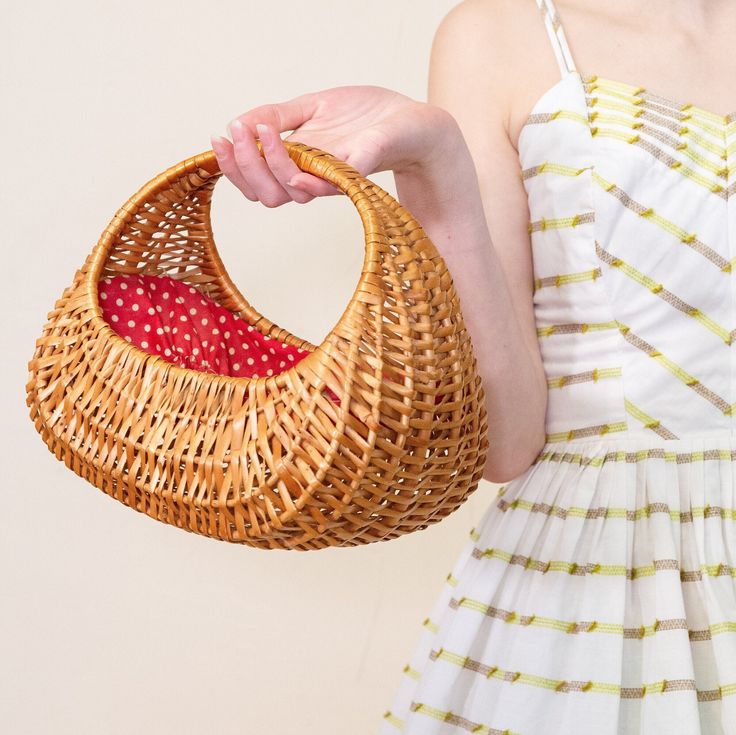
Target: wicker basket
{"points": [[272, 461]]}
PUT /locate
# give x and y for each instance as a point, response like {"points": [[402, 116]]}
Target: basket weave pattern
{"points": [[272, 461]]}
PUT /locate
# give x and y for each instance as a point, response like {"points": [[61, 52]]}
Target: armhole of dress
{"points": [[557, 37]]}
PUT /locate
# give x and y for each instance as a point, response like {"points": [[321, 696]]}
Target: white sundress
{"points": [[596, 594]]}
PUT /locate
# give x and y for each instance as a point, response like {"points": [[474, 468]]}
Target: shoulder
{"points": [[479, 48], [490, 11], [495, 27]]}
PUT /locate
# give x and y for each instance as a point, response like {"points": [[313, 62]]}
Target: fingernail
{"points": [[293, 181], [262, 131], [236, 126], [217, 142]]}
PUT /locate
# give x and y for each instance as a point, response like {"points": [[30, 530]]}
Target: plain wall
{"points": [[111, 622]]}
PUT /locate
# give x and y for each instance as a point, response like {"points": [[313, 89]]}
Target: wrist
{"points": [[442, 193], [442, 185]]}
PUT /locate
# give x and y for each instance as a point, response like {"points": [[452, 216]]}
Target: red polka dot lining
{"points": [[173, 320]]}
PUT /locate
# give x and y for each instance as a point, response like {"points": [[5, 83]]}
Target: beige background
{"points": [[109, 621]]}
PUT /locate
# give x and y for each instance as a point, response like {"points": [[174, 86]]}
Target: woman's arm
{"points": [[470, 200]]}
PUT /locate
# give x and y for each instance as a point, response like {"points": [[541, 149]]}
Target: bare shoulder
{"points": [[502, 49], [487, 47]]}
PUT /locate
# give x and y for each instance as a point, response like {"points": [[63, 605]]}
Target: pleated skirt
{"points": [[596, 595]]}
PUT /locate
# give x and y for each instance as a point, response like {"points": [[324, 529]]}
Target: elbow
{"points": [[526, 436], [500, 475], [506, 466]]}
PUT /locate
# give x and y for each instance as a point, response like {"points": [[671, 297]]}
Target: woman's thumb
{"points": [[359, 159]]}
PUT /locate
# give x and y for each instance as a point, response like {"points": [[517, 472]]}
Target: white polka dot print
{"points": [[214, 340]]}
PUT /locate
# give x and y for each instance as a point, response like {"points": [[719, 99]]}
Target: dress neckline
{"points": [[723, 121]]}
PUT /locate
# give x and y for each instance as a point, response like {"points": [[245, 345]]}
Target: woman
{"points": [[588, 221]]}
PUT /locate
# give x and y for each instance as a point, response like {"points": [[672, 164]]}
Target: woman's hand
{"points": [[371, 128]]}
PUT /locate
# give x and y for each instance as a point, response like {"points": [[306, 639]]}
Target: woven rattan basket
{"points": [[271, 461]]}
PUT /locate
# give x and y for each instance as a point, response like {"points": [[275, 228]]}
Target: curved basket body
{"points": [[272, 461]]}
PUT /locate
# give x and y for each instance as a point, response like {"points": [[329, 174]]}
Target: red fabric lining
{"points": [[166, 317]]}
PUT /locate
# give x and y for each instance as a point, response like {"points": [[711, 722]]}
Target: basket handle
{"points": [[310, 160], [387, 263]]}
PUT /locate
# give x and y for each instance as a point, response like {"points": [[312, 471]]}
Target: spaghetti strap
{"points": [[557, 36]]}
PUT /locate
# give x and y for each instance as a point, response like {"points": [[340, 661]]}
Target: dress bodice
{"points": [[632, 221]]}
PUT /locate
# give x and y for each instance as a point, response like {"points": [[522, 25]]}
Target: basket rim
{"points": [[314, 360]]}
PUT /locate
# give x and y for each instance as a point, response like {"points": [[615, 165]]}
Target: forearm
{"points": [[445, 199]]}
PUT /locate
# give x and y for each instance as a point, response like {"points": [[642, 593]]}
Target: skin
{"points": [[455, 158]]}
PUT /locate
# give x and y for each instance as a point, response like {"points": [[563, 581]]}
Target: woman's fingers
{"points": [[281, 167], [313, 185], [255, 168], [271, 177], [225, 154], [286, 172], [296, 184]]}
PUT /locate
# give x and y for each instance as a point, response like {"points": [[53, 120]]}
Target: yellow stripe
{"points": [[684, 131], [549, 329], [557, 685], [718, 169], [447, 716], [633, 93], [629, 102], [577, 511], [678, 371], [394, 720], [682, 168], [571, 433], [411, 673], [518, 676], [682, 235], [558, 223], [564, 278], [563, 380], [655, 288], [541, 118], [573, 627], [554, 168], [649, 422], [568, 115], [650, 214], [638, 455], [608, 570]]}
